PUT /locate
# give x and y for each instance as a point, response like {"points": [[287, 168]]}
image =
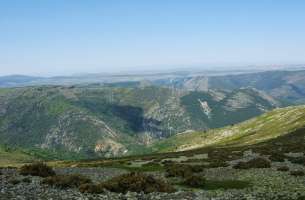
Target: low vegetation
{"points": [[91, 188], [226, 184], [37, 169], [217, 163], [133, 182], [202, 183], [283, 169], [66, 181], [194, 181], [276, 157], [297, 160], [14, 181], [26, 180], [181, 170], [253, 163], [297, 173]]}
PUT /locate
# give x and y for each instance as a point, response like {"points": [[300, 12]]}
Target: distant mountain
{"points": [[264, 128], [288, 86], [224, 79], [93, 120], [17, 80]]}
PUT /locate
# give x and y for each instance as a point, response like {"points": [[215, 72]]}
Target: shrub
{"points": [[276, 157], [91, 188], [26, 180], [254, 163], [136, 182], [194, 181], [283, 169], [37, 169], [183, 171], [218, 163], [14, 181], [65, 181], [168, 162], [297, 173], [297, 160]]}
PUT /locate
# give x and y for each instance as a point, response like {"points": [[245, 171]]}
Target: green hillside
{"points": [[75, 122], [268, 126], [11, 157]]}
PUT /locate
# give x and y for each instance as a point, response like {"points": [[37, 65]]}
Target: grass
{"points": [[265, 127], [13, 157], [201, 183]]}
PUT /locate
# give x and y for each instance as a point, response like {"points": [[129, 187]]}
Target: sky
{"points": [[61, 37]]}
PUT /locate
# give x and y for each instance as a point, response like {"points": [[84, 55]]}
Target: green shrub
{"points": [[297, 173], [254, 163], [66, 181], [283, 169], [37, 169], [194, 181], [136, 182]]}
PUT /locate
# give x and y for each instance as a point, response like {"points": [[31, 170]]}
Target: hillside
{"points": [[92, 121], [268, 126], [288, 86], [11, 156]]}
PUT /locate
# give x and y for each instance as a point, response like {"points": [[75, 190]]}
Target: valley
{"points": [[179, 141], [62, 122]]}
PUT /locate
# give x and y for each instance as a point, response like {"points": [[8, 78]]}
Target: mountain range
{"points": [[77, 121]]}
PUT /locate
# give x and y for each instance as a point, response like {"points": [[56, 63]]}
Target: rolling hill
{"points": [[264, 128]]}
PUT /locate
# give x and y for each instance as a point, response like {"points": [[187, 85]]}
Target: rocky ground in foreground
{"points": [[266, 184], [34, 189]]}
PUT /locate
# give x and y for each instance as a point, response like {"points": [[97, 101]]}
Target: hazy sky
{"points": [[52, 37]]}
